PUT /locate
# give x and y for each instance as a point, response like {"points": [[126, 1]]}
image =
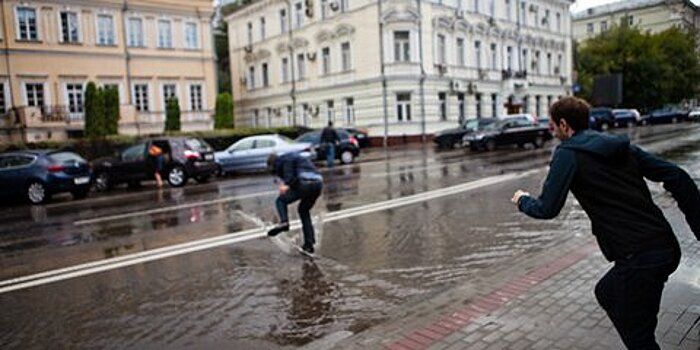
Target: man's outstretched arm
{"points": [[555, 188], [675, 180]]}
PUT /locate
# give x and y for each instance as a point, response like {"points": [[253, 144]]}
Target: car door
{"points": [[508, 134], [236, 157], [132, 164], [261, 150], [9, 177]]}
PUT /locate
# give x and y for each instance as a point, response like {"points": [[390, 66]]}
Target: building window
{"points": [[549, 63], [441, 49], [461, 107], [549, 101], [477, 53], [196, 100], [546, 19], [559, 69], [460, 52], [538, 106], [509, 58], [136, 32], [526, 104], [536, 63], [26, 21], [558, 16], [523, 64], [326, 57], [262, 28], [476, 6], [285, 69], [265, 81], [191, 37], [165, 34], [3, 100], [69, 27], [494, 56], [494, 105], [250, 33], [492, 8], [442, 97], [251, 77], [74, 93], [589, 28], [346, 56], [537, 17], [301, 66], [169, 91], [509, 10], [344, 5], [254, 119], [628, 20], [288, 120], [105, 30], [478, 106], [349, 111], [141, 97], [603, 26], [283, 21], [402, 46], [34, 94], [403, 107], [299, 15], [523, 13], [330, 111], [324, 9]]}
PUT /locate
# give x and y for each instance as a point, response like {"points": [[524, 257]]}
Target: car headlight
{"points": [[479, 136]]}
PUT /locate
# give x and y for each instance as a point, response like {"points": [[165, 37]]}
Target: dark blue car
{"points": [[601, 118], [664, 115], [35, 175]]}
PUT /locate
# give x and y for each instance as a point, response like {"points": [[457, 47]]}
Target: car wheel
{"points": [[490, 145], [202, 178], [604, 126], [103, 182], [346, 157], [177, 176], [37, 193], [538, 142], [80, 194]]}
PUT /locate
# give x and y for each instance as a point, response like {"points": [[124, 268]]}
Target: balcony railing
{"points": [[518, 74]]}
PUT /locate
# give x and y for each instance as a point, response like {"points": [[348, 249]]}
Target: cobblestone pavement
{"points": [[541, 303]]}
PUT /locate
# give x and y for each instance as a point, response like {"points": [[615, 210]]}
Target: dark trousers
{"points": [[630, 293], [307, 192]]}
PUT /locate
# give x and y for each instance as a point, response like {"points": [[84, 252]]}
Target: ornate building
{"points": [[397, 67]]}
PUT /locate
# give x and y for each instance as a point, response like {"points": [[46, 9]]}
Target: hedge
{"points": [[101, 147]]}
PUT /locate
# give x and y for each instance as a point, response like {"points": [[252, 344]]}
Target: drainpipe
{"points": [[293, 92], [383, 74], [127, 61], [422, 72]]}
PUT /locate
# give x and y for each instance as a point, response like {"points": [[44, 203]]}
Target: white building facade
{"points": [[397, 67]]}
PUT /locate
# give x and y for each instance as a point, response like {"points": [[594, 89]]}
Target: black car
{"points": [[38, 174], [451, 138], [506, 132], [347, 151], [601, 118], [664, 115], [360, 134], [185, 158]]}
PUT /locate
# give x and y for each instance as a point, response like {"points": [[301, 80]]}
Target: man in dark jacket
{"points": [[329, 139], [606, 175], [300, 181]]}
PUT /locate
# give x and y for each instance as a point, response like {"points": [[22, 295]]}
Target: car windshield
{"points": [[197, 145], [286, 139], [471, 124], [498, 125], [64, 157], [311, 137]]}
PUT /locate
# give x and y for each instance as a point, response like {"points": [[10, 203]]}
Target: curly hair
{"points": [[572, 109]]}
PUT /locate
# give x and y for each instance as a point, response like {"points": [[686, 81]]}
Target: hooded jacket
{"points": [[606, 175], [292, 167]]}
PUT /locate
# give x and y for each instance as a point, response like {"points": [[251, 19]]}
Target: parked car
{"points": [[346, 152], [185, 158], [543, 121], [663, 115], [250, 153], [507, 132], [36, 175], [601, 118], [451, 138], [361, 134], [525, 116], [626, 117], [694, 114]]}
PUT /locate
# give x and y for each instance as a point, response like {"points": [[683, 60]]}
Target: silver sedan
{"points": [[250, 153]]}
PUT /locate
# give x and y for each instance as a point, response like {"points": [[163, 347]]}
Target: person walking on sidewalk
{"points": [[157, 160], [606, 175], [300, 181], [329, 139]]}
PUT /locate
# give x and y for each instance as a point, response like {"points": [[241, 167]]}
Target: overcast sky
{"points": [[584, 4]]}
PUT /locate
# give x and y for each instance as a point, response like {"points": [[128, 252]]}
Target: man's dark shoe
{"points": [[308, 249], [281, 227]]}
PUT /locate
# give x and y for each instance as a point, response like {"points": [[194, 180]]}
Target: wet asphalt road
{"points": [[251, 295]]}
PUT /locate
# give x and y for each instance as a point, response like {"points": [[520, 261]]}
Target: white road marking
{"points": [[241, 236]]}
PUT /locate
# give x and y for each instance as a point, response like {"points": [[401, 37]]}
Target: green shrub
{"points": [[223, 118], [111, 110], [172, 115], [95, 124]]}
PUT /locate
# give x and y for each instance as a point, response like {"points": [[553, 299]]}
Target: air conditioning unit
{"points": [[334, 5], [311, 56], [248, 48], [556, 70], [459, 13], [457, 86], [482, 74]]}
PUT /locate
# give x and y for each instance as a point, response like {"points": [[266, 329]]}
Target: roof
{"points": [[624, 5]]}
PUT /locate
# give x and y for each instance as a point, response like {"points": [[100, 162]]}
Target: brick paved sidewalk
{"points": [[550, 307]]}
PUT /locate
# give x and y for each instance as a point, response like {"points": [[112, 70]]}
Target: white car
{"points": [[694, 114], [250, 153]]}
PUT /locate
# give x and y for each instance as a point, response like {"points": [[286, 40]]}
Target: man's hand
{"points": [[283, 188], [517, 195]]}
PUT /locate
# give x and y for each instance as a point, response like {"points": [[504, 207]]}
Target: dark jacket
{"points": [[606, 175], [329, 135], [292, 167]]}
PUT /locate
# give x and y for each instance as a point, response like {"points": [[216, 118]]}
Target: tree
{"points": [[223, 63], [223, 118], [111, 110], [172, 115], [657, 69], [94, 112]]}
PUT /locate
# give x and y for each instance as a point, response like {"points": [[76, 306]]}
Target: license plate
{"points": [[465, 143], [81, 180], [208, 157]]}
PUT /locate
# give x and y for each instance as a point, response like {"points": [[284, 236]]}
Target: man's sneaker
{"points": [[281, 227], [308, 249]]}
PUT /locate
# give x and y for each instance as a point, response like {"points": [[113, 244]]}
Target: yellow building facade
{"points": [[150, 50]]}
